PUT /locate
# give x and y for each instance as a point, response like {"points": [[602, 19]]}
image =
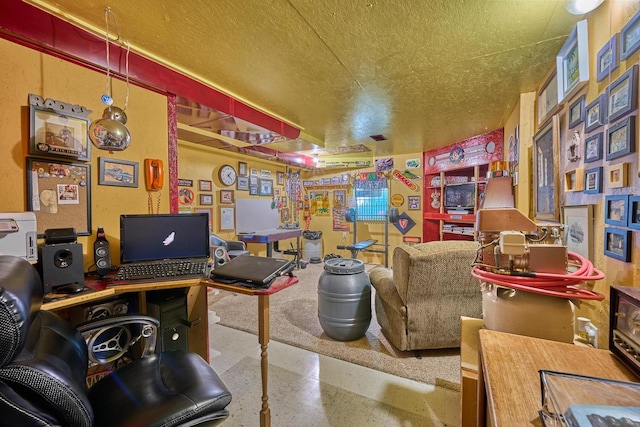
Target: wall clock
{"points": [[227, 175]]}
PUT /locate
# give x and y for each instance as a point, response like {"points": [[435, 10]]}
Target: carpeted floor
{"points": [[294, 321]]}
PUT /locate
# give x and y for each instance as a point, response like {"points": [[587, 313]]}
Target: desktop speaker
{"points": [[220, 256], [101, 255], [60, 264]]}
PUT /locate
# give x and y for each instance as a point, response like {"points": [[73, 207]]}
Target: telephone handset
{"points": [[154, 174]]}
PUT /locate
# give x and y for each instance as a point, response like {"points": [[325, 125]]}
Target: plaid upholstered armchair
{"points": [[419, 302]]}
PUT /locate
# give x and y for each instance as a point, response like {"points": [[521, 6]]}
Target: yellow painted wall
{"points": [[26, 71], [198, 162]]}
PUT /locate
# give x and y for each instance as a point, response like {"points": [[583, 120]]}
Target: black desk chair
{"points": [[235, 248], [44, 360]]}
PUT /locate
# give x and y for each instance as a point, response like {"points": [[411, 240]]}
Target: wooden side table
{"points": [[509, 381], [280, 283]]}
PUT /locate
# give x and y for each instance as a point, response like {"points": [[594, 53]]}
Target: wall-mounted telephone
{"points": [[154, 174]]}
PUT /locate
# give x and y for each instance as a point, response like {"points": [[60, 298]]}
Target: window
{"points": [[372, 200]]}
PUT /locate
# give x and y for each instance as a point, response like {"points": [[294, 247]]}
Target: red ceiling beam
{"points": [[25, 24]]}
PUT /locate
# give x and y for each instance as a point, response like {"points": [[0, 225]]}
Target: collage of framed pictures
{"points": [[623, 213]]}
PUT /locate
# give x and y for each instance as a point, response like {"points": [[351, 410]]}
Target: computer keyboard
{"points": [[158, 271]]}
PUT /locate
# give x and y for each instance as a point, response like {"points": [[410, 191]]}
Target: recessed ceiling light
{"points": [[378, 138]]}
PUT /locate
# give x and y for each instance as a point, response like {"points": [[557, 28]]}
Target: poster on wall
{"points": [[339, 221]]}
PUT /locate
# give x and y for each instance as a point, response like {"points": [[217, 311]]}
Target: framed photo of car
{"points": [[55, 130], [119, 173]]}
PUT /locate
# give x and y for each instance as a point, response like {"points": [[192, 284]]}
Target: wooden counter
{"points": [[509, 378]]}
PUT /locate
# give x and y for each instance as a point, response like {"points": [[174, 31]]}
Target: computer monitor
{"points": [[163, 236]]}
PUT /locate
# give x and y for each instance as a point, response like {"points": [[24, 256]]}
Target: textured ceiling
{"points": [[422, 73]]}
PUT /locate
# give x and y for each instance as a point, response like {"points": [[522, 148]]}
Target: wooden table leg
{"points": [[263, 339]]}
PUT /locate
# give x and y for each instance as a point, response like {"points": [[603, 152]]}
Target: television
{"points": [[460, 196], [155, 237]]}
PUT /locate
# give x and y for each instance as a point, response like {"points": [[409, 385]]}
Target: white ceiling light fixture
{"points": [[109, 132], [581, 7]]}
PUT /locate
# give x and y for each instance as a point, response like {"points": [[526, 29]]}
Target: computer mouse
{"points": [[72, 288]]}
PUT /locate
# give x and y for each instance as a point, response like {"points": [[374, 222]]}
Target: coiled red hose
{"points": [[557, 285]]}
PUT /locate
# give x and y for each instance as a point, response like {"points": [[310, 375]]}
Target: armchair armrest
{"points": [[382, 281]]}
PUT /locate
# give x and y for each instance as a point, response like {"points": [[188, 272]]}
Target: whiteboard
{"points": [[254, 215]]}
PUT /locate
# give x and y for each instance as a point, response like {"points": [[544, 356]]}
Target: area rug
{"points": [[294, 321]]}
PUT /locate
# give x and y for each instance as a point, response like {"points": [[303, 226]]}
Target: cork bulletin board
{"points": [[59, 193]]}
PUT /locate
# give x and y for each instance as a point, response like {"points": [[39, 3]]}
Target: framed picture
{"points": [[617, 175], [339, 198], [253, 181], [615, 209], [579, 231], [265, 173], [572, 62], [266, 187], [593, 148], [242, 183], [205, 185], [59, 193], [593, 180], [253, 191], [280, 178], [545, 172], [574, 180], [227, 219], [120, 173], [622, 94], [226, 197], [608, 60], [209, 212], [206, 199], [58, 134], [617, 243], [413, 203], [621, 138], [633, 215], [595, 113], [254, 172], [548, 98], [185, 182], [242, 169], [576, 112], [630, 37]]}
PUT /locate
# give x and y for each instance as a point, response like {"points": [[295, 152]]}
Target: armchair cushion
{"points": [[419, 302]]}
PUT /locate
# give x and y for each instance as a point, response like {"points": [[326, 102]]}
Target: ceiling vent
{"points": [[378, 138]]}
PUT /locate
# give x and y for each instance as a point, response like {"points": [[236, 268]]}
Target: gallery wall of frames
{"points": [[591, 125]]}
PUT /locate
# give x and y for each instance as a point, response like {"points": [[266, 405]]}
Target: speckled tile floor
{"points": [[311, 390]]}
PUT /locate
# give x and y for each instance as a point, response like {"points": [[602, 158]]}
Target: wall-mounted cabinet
{"points": [[454, 185], [452, 199]]}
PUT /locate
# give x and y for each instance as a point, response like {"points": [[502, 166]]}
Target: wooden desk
{"points": [[509, 380], [280, 283], [197, 309]]}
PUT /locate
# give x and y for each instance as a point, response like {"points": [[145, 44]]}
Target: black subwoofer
{"points": [[60, 264]]}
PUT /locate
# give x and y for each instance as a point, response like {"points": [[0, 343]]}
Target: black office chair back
{"points": [[42, 378]]}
